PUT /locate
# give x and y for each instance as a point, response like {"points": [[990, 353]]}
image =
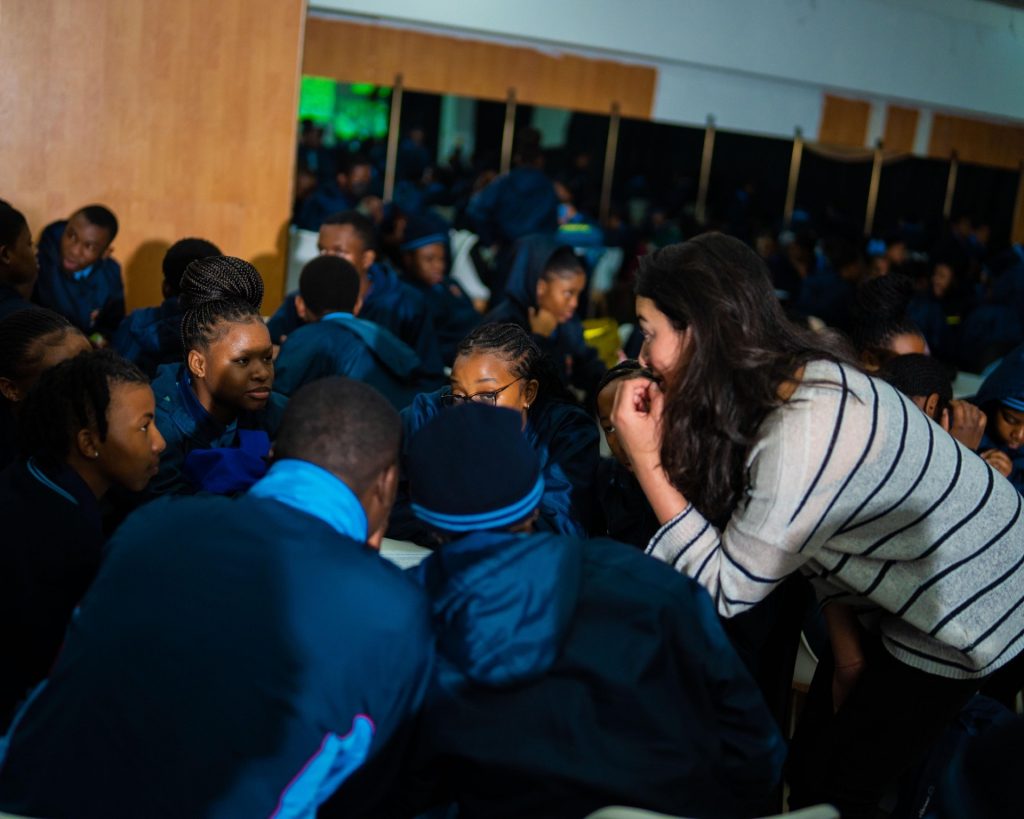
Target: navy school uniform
{"points": [[623, 512], [49, 554], [572, 675], [517, 204], [577, 363], [11, 300], [327, 199], [8, 433], [91, 299], [203, 454], [392, 304], [235, 657], [564, 437], [151, 336], [1005, 384], [455, 317], [341, 344]]}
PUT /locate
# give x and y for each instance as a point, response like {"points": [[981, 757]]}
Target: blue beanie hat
{"points": [[424, 229], [470, 469]]}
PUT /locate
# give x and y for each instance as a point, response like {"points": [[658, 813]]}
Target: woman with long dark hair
{"points": [[763, 451]]}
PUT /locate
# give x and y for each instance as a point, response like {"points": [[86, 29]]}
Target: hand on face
{"points": [[966, 423], [999, 461], [637, 415]]}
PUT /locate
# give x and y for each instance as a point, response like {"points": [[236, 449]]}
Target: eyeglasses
{"points": [[450, 399]]}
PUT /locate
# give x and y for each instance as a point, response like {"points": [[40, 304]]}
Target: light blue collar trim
{"points": [[79, 275], [315, 491], [338, 314], [37, 473]]}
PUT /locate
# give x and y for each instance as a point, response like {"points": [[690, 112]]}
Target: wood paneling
{"points": [[180, 116], [984, 143], [900, 128], [844, 122], [354, 52]]}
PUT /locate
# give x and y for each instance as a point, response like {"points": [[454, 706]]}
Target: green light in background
{"points": [[317, 97]]}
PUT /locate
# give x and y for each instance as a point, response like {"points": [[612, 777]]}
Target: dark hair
{"points": [[527, 150], [348, 162], [216, 289], [563, 262], [19, 333], [362, 226], [329, 283], [623, 369], [514, 345], [100, 216], [921, 375], [180, 255], [743, 349], [880, 314], [71, 396], [342, 425], [12, 223]]}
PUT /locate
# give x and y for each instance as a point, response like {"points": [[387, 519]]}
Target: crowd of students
{"points": [[194, 619]]}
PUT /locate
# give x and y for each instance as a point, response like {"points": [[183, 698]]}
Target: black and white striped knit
{"points": [[883, 510]]}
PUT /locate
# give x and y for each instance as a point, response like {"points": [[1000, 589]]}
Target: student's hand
{"points": [[542, 322], [966, 423], [636, 415], [999, 461]]}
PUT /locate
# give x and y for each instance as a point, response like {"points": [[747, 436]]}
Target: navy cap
{"points": [[424, 229], [471, 469]]}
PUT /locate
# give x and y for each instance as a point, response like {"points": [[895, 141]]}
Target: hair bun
{"points": [[221, 278]]}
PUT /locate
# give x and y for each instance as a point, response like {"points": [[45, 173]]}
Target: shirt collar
{"points": [[82, 274], [315, 491], [337, 314]]}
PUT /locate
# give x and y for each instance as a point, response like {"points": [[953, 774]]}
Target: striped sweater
{"points": [[852, 484]]}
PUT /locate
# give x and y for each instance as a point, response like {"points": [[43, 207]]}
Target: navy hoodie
{"points": [[517, 204], [1005, 382]]}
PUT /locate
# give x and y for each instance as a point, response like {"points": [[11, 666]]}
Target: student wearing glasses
{"points": [[500, 365]]}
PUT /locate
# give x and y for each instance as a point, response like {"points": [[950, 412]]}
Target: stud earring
{"points": [[95, 454]]}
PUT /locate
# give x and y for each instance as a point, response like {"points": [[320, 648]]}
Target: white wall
{"points": [[762, 65]]}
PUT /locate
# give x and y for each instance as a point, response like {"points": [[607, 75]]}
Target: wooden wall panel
{"points": [[900, 128], [844, 122], [356, 52], [985, 143], [178, 116]]}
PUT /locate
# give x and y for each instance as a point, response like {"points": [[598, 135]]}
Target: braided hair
{"points": [[216, 290], [512, 344], [69, 397], [624, 369], [19, 333]]}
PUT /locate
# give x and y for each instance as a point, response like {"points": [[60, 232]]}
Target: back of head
{"points": [[12, 223], [455, 490], [19, 333], [216, 289], [360, 224], [329, 284], [180, 255], [527, 147], [71, 396], [880, 313], [343, 426], [102, 217], [917, 375], [515, 346]]}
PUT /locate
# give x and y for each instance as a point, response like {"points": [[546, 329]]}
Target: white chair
{"points": [[617, 812]]}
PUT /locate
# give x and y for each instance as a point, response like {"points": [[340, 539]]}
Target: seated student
{"points": [[351, 183], [87, 426], [1001, 398], [335, 342], [543, 300], [828, 291], [500, 365], [77, 276], [151, 336], [571, 674], [626, 514], [31, 341], [387, 300], [237, 657], [19, 267], [424, 253], [880, 327], [218, 410]]}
